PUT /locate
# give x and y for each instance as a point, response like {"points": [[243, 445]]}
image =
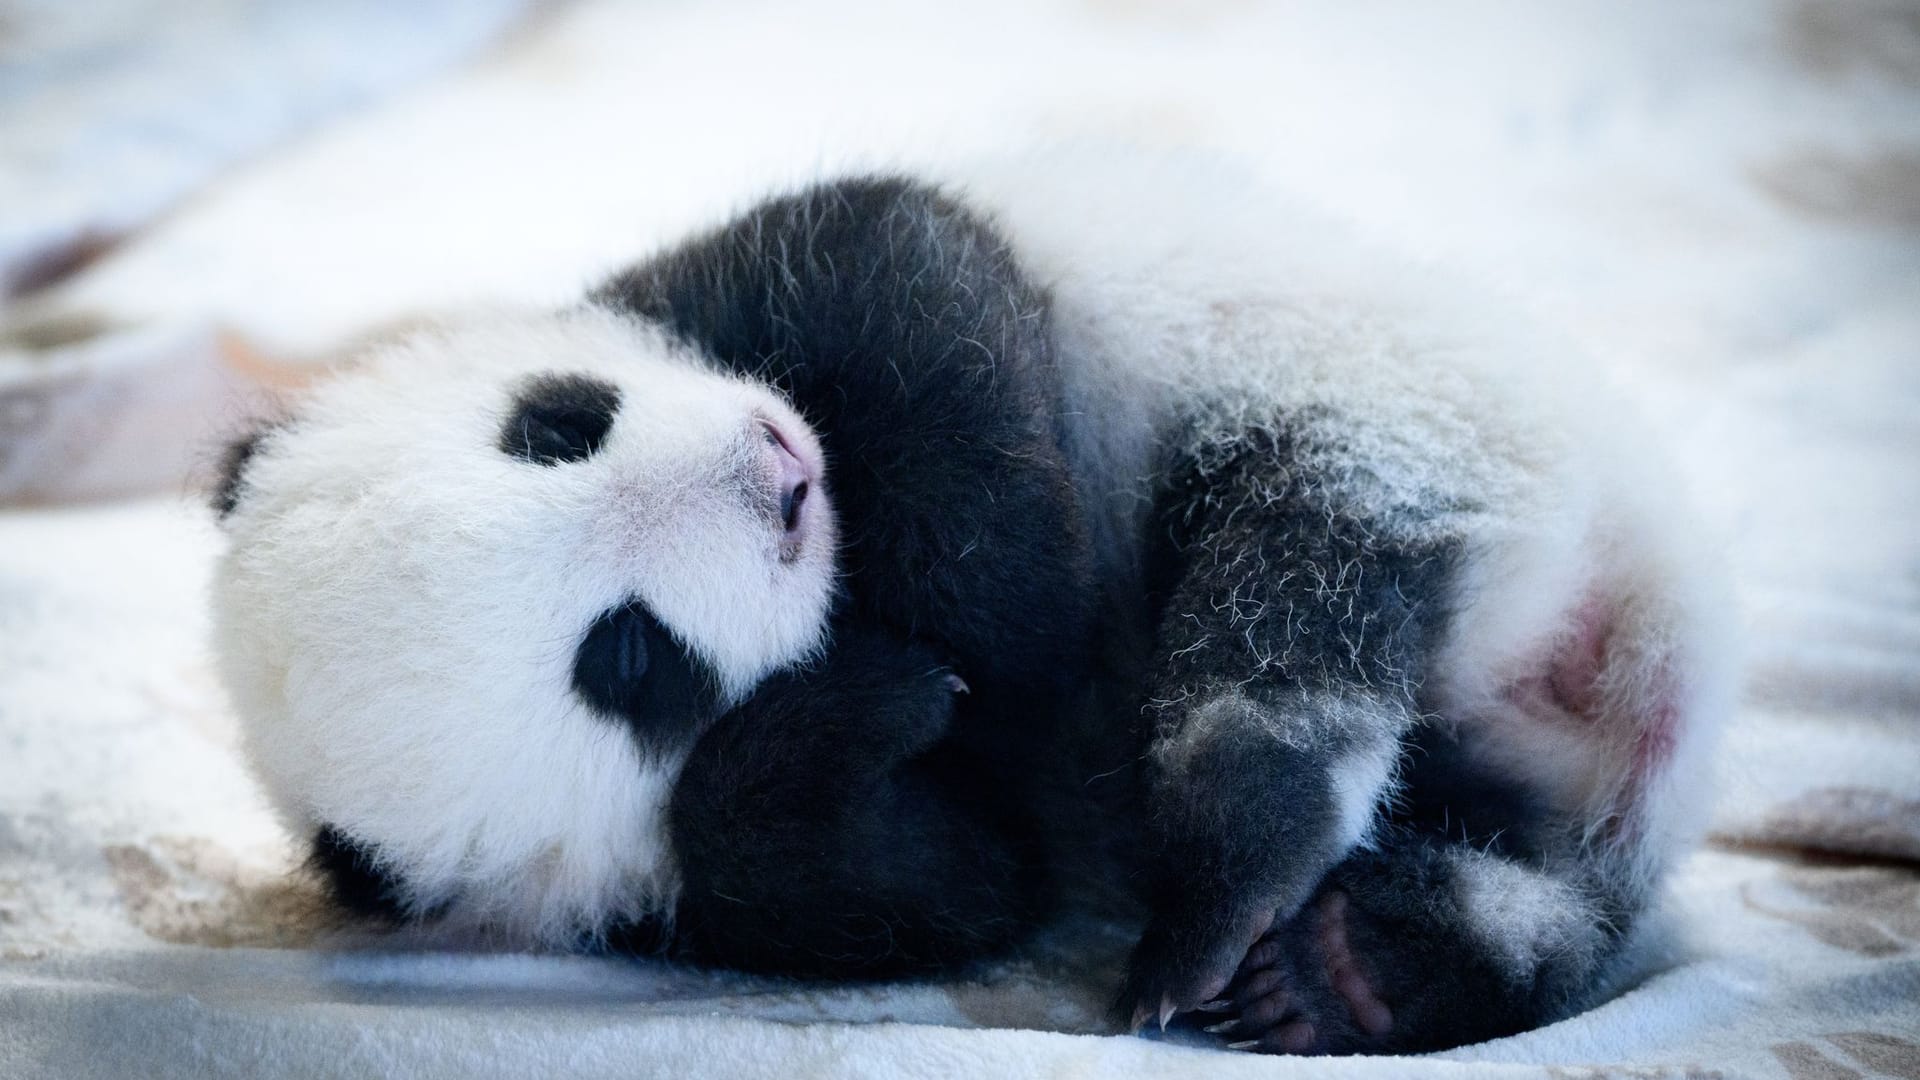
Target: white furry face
{"points": [[417, 561]]}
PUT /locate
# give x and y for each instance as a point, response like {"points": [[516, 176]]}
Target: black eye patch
{"points": [[558, 418], [630, 668]]}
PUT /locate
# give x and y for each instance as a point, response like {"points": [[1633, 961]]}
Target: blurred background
{"points": [[202, 201]]}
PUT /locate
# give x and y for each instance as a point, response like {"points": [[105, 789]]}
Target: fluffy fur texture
{"points": [[400, 612], [1410, 646], [860, 817], [1376, 518]]}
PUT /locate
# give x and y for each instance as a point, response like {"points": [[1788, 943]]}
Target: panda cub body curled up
{"points": [[755, 607]]}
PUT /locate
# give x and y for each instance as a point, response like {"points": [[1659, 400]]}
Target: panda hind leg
{"points": [[1287, 657], [1494, 901], [1420, 944]]}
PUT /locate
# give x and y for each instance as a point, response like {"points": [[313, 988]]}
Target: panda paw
{"points": [[1307, 987], [1382, 960], [871, 702], [1186, 956]]}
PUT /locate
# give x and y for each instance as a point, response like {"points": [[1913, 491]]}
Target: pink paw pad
{"points": [[1369, 1013]]}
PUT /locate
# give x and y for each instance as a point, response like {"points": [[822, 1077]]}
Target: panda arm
{"points": [[898, 323], [824, 830]]}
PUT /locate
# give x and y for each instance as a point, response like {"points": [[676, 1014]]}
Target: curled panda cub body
{"points": [[740, 609]]}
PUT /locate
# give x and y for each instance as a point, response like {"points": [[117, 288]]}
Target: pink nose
{"points": [[792, 478]]}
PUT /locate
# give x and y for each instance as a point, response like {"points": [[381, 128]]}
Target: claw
{"points": [[1247, 1045], [1140, 1014], [1166, 1010], [1221, 1028], [1217, 1005]]}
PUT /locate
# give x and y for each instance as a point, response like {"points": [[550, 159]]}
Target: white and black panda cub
{"points": [[740, 609]]}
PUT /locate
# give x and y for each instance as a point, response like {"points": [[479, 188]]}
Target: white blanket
{"points": [[1722, 200]]}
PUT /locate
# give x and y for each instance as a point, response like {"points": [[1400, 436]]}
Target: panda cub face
{"points": [[486, 589]]}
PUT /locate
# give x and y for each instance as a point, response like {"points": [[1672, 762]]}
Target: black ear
{"points": [[233, 466]]}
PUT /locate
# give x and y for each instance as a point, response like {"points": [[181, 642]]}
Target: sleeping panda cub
{"points": [[755, 609]]}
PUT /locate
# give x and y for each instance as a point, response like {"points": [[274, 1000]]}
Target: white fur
{"points": [[399, 611], [1361, 779], [1519, 916]]}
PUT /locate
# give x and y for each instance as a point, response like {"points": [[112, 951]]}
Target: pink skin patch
{"points": [[1573, 673], [1574, 679], [1571, 687], [1660, 733], [1653, 748], [1369, 1013], [1566, 682]]}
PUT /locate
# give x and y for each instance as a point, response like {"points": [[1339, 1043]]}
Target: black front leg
{"points": [[827, 826]]}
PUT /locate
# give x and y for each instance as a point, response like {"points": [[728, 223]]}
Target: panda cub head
{"points": [[484, 591]]}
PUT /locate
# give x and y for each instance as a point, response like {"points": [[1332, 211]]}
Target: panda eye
{"points": [[558, 418], [630, 669]]}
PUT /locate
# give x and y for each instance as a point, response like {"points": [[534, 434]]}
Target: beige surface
{"points": [[1722, 199]]}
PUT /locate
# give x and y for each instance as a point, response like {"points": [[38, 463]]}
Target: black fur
{"points": [[1450, 798], [899, 325], [557, 418], [828, 827], [630, 668], [354, 877], [853, 818], [643, 935]]}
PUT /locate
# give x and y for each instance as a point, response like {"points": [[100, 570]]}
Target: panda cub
{"points": [[752, 609]]}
